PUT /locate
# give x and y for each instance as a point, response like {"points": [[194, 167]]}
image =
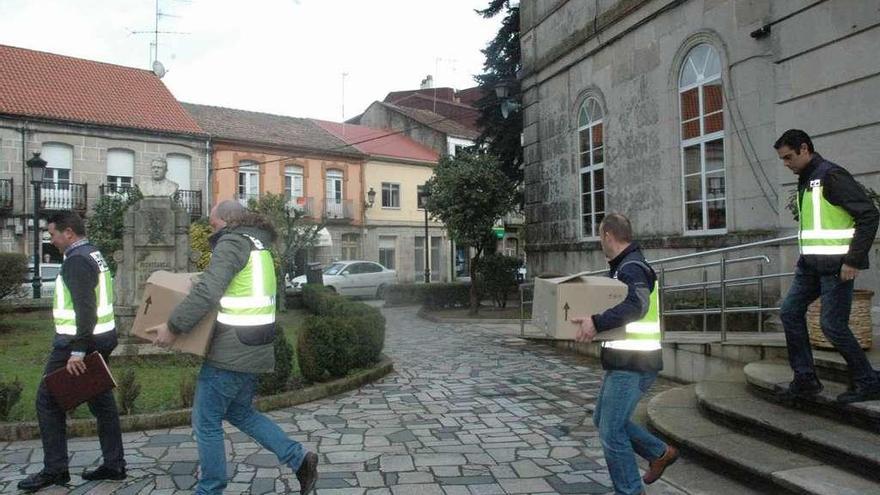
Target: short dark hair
{"points": [[69, 220], [618, 225], [794, 138]]}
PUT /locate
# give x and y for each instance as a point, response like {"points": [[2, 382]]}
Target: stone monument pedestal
{"points": [[155, 237]]}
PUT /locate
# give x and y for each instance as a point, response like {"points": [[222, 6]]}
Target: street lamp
{"points": [[423, 202], [38, 168], [371, 198], [502, 92]]}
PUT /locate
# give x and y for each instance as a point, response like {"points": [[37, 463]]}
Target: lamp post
{"points": [[371, 198], [423, 202], [38, 168]]}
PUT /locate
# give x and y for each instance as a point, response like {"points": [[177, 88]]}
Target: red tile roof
{"points": [[55, 87], [379, 142]]}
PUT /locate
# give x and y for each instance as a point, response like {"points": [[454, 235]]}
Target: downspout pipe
{"points": [[207, 199]]}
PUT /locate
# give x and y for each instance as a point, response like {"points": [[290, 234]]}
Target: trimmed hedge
{"points": [[276, 381], [341, 336], [497, 274], [430, 296], [13, 273]]}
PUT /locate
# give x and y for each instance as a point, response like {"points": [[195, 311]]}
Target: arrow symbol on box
{"points": [[566, 308], [147, 304]]}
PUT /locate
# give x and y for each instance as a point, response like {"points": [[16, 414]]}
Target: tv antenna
{"points": [[157, 66]]}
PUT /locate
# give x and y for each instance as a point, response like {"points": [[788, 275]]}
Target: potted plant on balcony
{"points": [[860, 314]]}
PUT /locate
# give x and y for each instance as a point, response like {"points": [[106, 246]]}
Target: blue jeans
{"points": [[837, 295], [621, 438], [223, 394]]}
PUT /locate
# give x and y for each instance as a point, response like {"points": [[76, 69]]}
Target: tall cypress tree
{"points": [[501, 136]]}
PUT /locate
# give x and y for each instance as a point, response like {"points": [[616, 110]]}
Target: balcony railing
{"points": [[190, 201], [302, 204], [114, 190], [63, 196], [6, 194], [339, 210]]}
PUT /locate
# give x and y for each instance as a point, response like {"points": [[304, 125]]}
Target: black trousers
{"points": [[53, 419]]}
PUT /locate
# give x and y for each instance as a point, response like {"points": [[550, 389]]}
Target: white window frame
{"points": [[293, 184], [388, 243], [179, 170], [119, 177], [701, 140], [391, 190], [590, 169], [249, 171]]}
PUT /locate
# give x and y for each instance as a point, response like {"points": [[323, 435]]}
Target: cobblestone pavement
{"points": [[469, 410]]}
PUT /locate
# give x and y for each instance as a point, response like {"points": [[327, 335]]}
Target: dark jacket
{"points": [[230, 349], [840, 189], [630, 268], [79, 270]]}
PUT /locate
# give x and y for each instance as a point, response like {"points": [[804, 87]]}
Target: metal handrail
{"points": [[723, 283]]}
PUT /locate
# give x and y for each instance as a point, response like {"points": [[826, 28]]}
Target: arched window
{"points": [[591, 155], [702, 140], [248, 181]]}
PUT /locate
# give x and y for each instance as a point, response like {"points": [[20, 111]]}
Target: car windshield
{"points": [[334, 269], [50, 272]]}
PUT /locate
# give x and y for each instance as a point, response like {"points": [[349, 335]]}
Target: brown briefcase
{"points": [[70, 391]]}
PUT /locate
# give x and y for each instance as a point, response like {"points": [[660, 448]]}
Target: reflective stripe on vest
{"points": [[825, 228], [65, 315], [249, 301], [642, 335]]}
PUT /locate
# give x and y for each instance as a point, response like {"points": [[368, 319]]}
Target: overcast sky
{"points": [[278, 56]]}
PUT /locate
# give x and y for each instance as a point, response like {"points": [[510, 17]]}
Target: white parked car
{"points": [[48, 272], [351, 278]]}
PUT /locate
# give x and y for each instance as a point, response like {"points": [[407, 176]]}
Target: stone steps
{"points": [[768, 378], [732, 403], [677, 414]]}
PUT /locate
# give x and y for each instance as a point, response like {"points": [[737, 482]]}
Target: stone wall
{"points": [[811, 72]]}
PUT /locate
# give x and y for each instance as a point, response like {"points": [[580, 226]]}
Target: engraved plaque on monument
{"points": [[155, 237]]}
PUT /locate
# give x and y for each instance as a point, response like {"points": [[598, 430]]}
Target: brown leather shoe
{"points": [[657, 466]]}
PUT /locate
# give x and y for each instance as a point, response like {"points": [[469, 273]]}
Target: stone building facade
{"points": [[99, 126], [667, 111]]}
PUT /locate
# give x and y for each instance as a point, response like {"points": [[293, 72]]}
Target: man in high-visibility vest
{"points": [[837, 224], [83, 314], [240, 283], [631, 363]]}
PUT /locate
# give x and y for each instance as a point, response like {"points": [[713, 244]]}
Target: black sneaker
{"points": [[802, 387], [307, 474], [860, 393], [38, 481], [104, 473]]}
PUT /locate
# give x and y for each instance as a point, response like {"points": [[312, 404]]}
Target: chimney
{"points": [[427, 82]]}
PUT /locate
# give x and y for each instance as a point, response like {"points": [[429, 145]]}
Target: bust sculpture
{"points": [[158, 185]]}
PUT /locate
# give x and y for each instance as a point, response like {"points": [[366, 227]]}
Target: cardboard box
{"points": [[558, 300], [162, 293]]}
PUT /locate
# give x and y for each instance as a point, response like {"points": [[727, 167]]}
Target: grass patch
{"points": [[26, 341]]}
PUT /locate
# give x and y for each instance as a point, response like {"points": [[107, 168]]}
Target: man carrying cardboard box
{"points": [[240, 283], [631, 363]]}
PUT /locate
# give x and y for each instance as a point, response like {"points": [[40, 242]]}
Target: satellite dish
{"points": [[158, 69]]}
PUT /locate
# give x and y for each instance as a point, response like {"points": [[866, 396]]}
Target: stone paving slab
{"points": [[470, 410]]}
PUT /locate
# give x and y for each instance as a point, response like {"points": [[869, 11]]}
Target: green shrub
{"points": [[276, 381], [127, 391], [342, 335], [13, 272], [10, 393], [199, 232], [188, 389], [497, 275], [106, 223], [431, 296]]}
